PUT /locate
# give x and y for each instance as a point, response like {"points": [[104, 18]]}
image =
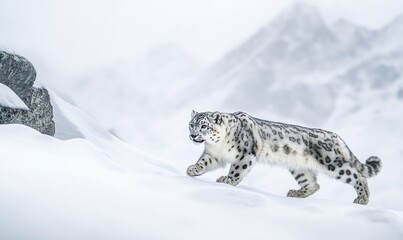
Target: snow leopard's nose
{"points": [[192, 136]]}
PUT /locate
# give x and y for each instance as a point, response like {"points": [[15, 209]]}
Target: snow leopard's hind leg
{"points": [[307, 180], [361, 187], [348, 174]]}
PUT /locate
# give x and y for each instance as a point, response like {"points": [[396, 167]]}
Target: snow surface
{"points": [[94, 186], [9, 99]]}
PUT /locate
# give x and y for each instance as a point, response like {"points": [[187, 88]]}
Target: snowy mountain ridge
{"points": [[297, 59]]}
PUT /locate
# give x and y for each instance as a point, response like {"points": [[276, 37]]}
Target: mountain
{"points": [[390, 36], [297, 65], [352, 36]]}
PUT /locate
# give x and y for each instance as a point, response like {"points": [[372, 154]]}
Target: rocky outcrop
{"points": [[19, 75]]}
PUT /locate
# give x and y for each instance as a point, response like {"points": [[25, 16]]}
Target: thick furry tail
{"points": [[371, 167]]}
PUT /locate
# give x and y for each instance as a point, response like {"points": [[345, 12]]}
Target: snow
{"points": [[116, 170], [9, 99], [98, 187]]}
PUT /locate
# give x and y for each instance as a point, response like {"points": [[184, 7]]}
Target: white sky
{"points": [[80, 34]]}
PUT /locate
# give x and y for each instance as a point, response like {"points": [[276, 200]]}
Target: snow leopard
{"points": [[242, 141]]}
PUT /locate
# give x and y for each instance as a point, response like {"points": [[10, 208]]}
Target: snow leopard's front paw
{"points": [[303, 192], [296, 193], [363, 200], [194, 170], [229, 180]]}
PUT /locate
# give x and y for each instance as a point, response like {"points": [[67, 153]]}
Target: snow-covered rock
{"points": [[17, 73], [29, 105]]}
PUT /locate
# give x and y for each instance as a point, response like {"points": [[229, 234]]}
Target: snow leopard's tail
{"points": [[371, 167]]}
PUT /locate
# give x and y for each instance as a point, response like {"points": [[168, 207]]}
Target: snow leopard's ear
{"points": [[217, 118], [193, 114]]}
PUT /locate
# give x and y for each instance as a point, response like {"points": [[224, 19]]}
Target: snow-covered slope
{"points": [[87, 184]]}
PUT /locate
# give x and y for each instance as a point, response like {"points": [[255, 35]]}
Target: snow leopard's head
{"points": [[205, 126]]}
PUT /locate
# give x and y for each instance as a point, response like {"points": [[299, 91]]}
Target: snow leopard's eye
{"points": [[191, 125], [203, 126]]}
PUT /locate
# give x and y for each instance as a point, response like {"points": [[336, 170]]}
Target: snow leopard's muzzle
{"points": [[196, 138]]}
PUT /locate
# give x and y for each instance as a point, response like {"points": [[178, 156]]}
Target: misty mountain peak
{"points": [[390, 37], [351, 33], [395, 28], [343, 24], [298, 19], [302, 9], [398, 21]]}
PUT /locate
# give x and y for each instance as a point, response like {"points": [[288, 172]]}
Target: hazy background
{"points": [[140, 67], [77, 35]]}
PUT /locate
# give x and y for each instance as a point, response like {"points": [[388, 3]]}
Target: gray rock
{"points": [[19, 75]]}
